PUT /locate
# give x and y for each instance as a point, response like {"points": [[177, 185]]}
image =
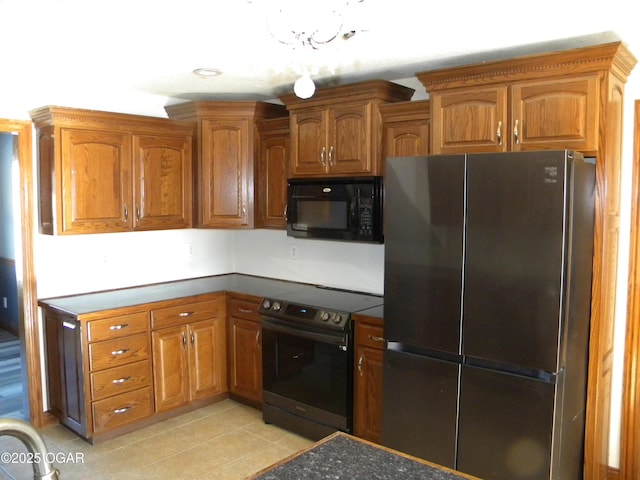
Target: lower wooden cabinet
{"points": [[189, 358], [99, 370], [245, 350], [109, 369], [369, 349]]}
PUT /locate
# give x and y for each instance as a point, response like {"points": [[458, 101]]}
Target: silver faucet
{"points": [[24, 431]]}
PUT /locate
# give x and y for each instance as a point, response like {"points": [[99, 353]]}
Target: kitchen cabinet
{"points": [[99, 370], [405, 128], [105, 172], [226, 144], [338, 130], [272, 173], [245, 349], [547, 101], [524, 115], [369, 349], [189, 353]]}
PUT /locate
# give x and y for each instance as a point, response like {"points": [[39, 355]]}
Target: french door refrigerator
{"points": [[488, 263]]}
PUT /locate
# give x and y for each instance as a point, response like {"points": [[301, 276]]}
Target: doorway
{"points": [[22, 199], [13, 399]]}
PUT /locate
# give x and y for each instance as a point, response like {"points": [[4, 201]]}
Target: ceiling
{"points": [[62, 51]]}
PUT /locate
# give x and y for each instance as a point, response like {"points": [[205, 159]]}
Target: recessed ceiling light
{"points": [[207, 72]]}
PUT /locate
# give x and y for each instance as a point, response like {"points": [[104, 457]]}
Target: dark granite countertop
{"points": [[234, 282], [343, 457]]}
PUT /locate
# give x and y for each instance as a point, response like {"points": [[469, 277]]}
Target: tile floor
{"points": [[223, 441]]}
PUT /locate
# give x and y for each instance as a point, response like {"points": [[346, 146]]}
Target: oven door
{"points": [[307, 378]]}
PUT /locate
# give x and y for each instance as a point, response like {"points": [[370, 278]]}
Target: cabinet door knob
{"points": [[360, 363], [516, 133], [499, 133], [322, 154], [331, 150], [126, 212], [193, 338], [184, 340]]}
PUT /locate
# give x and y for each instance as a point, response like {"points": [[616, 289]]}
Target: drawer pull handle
{"points": [[69, 325], [245, 310], [193, 338], [118, 327], [120, 352], [121, 380], [185, 314], [122, 410], [360, 363], [373, 338]]}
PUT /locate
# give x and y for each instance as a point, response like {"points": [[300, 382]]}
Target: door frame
{"points": [[27, 294], [630, 444]]}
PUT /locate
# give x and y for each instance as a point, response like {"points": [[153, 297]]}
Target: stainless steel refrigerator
{"points": [[488, 263]]}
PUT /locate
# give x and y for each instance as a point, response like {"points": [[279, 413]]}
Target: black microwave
{"points": [[338, 208]]}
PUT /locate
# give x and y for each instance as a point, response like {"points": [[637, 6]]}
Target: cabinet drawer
{"points": [[116, 327], [121, 409], [369, 335], [186, 313], [244, 309], [120, 379], [120, 351]]}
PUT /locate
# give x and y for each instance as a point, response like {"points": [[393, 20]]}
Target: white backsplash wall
{"points": [[270, 253], [72, 264]]}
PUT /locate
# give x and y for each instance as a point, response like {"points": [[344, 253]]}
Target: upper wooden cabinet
{"points": [[546, 101], [227, 144], [108, 172], [338, 130], [405, 128], [272, 173]]}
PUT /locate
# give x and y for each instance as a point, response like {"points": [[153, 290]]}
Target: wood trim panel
{"points": [[28, 316], [630, 445], [611, 56]]}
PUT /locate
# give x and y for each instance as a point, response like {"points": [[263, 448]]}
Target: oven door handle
{"points": [[341, 340]]}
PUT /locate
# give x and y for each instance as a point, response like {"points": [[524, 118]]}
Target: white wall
{"points": [[354, 266], [84, 263]]}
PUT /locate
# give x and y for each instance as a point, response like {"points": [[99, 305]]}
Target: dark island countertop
{"points": [[87, 303], [344, 457]]}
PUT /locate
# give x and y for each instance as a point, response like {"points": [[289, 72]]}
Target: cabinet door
{"points": [[162, 182], [96, 181], [272, 182], [473, 119], [245, 370], [556, 114], [207, 358], [225, 175], [349, 139], [406, 139], [368, 394], [309, 152], [170, 367]]}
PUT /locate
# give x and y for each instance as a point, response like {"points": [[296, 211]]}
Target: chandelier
{"points": [[307, 26]]}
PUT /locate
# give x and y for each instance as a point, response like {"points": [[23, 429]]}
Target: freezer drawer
{"points": [[419, 406], [505, 429]]}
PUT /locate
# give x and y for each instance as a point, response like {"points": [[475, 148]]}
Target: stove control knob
{"points": [[276, 306], [266, 304], [324, 316], [337, 319]]}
